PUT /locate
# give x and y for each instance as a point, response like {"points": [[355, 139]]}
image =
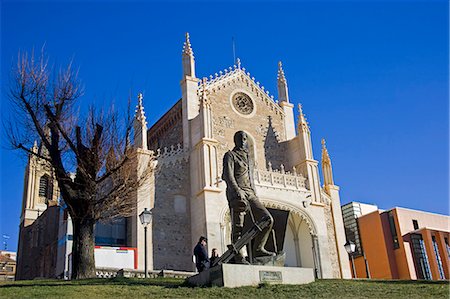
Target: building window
{"points": [[415, 224], [113, 233], [393, 230], [243, 103], [179, 204], [448, 247], [438, 258], [45, 187], [420, 257], [349, 215]]}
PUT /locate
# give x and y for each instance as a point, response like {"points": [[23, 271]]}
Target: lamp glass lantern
{"points": [[350, 247], [145, 217]]}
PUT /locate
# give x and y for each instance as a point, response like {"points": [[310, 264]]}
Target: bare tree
{"points": [[96, 170]]}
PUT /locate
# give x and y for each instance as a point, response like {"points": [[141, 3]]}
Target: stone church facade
{"points": [[187, 196]]}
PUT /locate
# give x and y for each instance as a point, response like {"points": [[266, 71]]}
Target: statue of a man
{"points": [[241, 196]]}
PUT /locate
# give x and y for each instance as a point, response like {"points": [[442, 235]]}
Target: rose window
{"points": [[242, 103]]}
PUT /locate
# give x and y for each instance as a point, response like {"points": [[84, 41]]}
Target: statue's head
{"points": [[240, 139]]}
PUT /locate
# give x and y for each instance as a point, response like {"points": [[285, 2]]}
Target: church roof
{"points": [[165, 121], [6, 259], [212, 83], [235, 71]]}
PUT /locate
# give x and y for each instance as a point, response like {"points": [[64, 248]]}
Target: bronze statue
{"points": [[241, 196]]}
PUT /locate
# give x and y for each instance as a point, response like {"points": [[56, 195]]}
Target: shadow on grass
{"points": [[161, 282]]}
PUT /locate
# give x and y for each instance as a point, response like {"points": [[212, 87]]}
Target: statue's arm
{"points": [[228, 173]]}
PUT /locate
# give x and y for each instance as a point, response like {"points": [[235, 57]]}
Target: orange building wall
{"points": [[386, 262], [443, 252], [426, 235], [400, 253], [360, 267], [389, 244], [374, 246]]}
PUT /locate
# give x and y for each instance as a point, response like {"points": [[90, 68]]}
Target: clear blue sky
{"points": [[372, 78]]}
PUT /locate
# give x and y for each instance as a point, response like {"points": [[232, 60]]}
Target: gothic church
{"points": [[186, 194]]}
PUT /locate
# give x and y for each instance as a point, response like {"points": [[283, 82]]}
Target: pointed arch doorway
{"points": [[300, 239], [298, 243]]}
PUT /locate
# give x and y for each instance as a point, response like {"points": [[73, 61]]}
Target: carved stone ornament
{"points": [[242, 103], [224, 121]]}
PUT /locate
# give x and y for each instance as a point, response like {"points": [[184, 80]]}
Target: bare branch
{"points": [[54, 120], [108, 171], [112, 171], [20, 146]]}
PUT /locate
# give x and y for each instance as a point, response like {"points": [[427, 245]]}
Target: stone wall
{"points": [[265, 125], [171, 213], [168, 130], [38, 244], [173, 136], [171, 217], [334, 259]]}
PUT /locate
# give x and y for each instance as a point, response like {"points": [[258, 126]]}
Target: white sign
{"points": [[115, 257]]}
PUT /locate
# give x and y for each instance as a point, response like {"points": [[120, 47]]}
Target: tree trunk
{"points": [[83, 262]]}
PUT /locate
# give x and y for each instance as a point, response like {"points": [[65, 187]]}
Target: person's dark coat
{"points": [[212, 260], [201, 257]]}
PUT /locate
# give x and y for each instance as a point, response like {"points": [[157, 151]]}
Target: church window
{"points": [[45, 187], [242, 103]]}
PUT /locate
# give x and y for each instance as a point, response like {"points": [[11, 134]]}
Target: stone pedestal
{"points": [[279, 260], [233, 275]]}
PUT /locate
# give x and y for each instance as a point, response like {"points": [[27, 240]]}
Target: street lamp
{"points": [[350, 247], [146, 218]]}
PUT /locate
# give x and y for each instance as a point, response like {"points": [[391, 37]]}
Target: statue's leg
{"points": [[237, 226], [259, 212]]}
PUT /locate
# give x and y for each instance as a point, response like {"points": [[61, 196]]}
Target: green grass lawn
{"points": [[175, 288]]}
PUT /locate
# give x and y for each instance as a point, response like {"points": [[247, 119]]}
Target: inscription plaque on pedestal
{"points": [[235, 275], [270, 276]]}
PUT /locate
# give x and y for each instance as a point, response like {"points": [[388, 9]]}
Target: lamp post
{"points": [[350, 248], [146, 218]]}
